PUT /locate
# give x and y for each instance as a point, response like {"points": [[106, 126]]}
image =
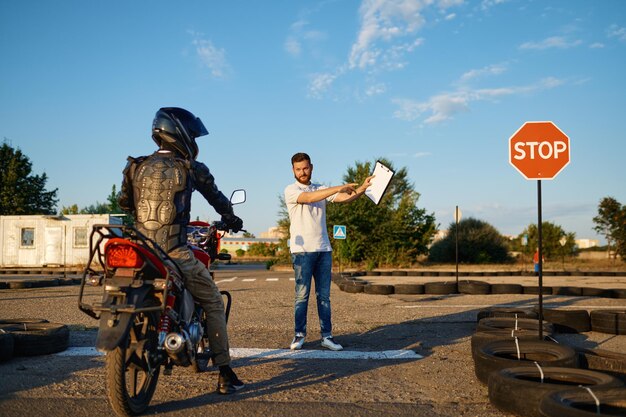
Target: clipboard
{"points": [[380, 182]]}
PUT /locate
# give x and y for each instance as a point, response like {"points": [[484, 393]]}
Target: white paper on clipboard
{"points": [[380, 182]]}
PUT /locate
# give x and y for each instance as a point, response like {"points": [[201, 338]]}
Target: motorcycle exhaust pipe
{"points": [[176, 346]]}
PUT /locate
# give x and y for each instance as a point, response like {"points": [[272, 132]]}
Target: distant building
{"points": [[272, 233], [232, 243], [40, 240], [587, 243]]}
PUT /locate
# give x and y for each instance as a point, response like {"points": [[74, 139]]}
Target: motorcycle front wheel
{"points": [[132, 368]]}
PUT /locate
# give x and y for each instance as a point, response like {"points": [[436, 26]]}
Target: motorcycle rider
{"points": [[156, 190]]}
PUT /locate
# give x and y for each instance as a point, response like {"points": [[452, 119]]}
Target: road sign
{"points": [[339, 232], [539, 150]]}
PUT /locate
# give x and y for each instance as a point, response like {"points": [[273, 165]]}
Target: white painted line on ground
{"points": [[251, 353], [226, 280], [271, 279], [546, 305], [249, 279]]}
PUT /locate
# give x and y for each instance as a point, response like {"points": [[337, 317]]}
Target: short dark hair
{"points": [[299, 157]]}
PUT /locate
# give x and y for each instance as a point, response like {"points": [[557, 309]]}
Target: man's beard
{"points": [[303, 179]]}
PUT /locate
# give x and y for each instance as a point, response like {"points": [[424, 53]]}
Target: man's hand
{"points": [[366, 184], [234, 223], [348, 188]]}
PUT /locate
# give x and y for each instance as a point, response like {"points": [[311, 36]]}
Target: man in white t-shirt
{"points": [[310, 248]]}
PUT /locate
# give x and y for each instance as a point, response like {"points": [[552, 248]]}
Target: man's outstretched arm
{"points": [[346, 197]]}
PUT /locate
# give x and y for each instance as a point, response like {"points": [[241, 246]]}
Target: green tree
{"points": [[394, 232], [611, 223], [110, 207], [479, 242], [551, 235], [21, 192]]}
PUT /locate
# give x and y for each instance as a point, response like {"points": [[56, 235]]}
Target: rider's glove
{"points": [[234, 223]]}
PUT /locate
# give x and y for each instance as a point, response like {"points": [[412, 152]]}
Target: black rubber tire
{"points": [[598, 292], [502, 354], [510, 323], [124, 362], [373, 273], [353, 288], [483, 337], [507, 289], [7, 345], [18, 285], [578, 402], [409, 289], [619, 292], [519, 312], [608, 321], [568, 321], [21, 320], [440, 288], [603, 360], [474, 287], [520, 390], [398, 273], [533, 289], [572, 291], [380, 289], [31, 339]]}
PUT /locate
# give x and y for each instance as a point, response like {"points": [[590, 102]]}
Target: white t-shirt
{"points": [[307, 232]]}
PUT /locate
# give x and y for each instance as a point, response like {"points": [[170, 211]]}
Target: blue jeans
{"points": [[316, 265]]}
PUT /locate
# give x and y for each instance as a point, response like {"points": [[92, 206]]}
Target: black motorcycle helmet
{"points": [[176, 129]]}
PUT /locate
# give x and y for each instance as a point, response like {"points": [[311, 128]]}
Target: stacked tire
{"points": [[531, 377], [30, 337]]}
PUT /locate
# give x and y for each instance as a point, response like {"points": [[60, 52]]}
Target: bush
{"points": [[240, 252], [479, 243]]}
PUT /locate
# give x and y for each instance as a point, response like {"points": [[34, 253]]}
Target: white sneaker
{"points": [[329, 343], [297, 342]]}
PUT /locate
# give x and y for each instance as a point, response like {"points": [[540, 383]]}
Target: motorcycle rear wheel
{"points": [[131, 368], [202, 359]]}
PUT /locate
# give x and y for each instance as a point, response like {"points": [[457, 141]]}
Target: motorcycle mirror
{"points": [[238, 197], [224, 256]]}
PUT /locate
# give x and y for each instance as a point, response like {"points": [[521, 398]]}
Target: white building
{"points": [[40, 240]]}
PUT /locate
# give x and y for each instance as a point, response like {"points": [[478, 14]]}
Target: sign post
{"points": [[339, 232], [457, 218], [539, 151]]}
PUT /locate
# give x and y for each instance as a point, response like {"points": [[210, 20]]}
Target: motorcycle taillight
{"points": [[123, 256]]}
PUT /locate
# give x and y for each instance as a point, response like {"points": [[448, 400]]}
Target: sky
{"points": [[436, 86]]}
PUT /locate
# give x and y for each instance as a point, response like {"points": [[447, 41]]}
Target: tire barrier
{"points": [[603, 360], [440, 288], [511, 323], [584, 402], [608, 321], [6, 345], [474, 287], [37, 338], [515, 312], [501, 354], [507, 289], [481, 338], [568, 321], [531, 383], [378, 289], [409, 288]]}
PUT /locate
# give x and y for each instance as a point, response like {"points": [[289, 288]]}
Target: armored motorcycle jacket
{"points": [[156, 190]]}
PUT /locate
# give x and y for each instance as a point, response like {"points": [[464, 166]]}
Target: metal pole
{"points": [[540, 249], [456, 238]]}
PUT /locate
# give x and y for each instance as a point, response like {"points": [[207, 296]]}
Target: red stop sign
{"points": [[539, 150]]}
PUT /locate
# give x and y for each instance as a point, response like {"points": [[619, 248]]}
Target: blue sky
{"points": [[436, 86]]}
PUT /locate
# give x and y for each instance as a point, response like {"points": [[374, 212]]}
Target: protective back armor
{"points": [[162, 197]]}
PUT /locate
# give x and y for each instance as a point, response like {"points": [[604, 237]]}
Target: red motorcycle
{"points": [[148, 319]]}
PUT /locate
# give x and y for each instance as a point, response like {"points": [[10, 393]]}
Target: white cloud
{"points": [[618, 32], [495, 69], [421, 154], [551, 42], [444, 106], [487, 4], [596, 45], [320, 83], [450, 16], [376, 89], [212, 57], [292, 46]]}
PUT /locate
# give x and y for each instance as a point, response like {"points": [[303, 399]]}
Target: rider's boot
{"points": [[228, 382]]}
